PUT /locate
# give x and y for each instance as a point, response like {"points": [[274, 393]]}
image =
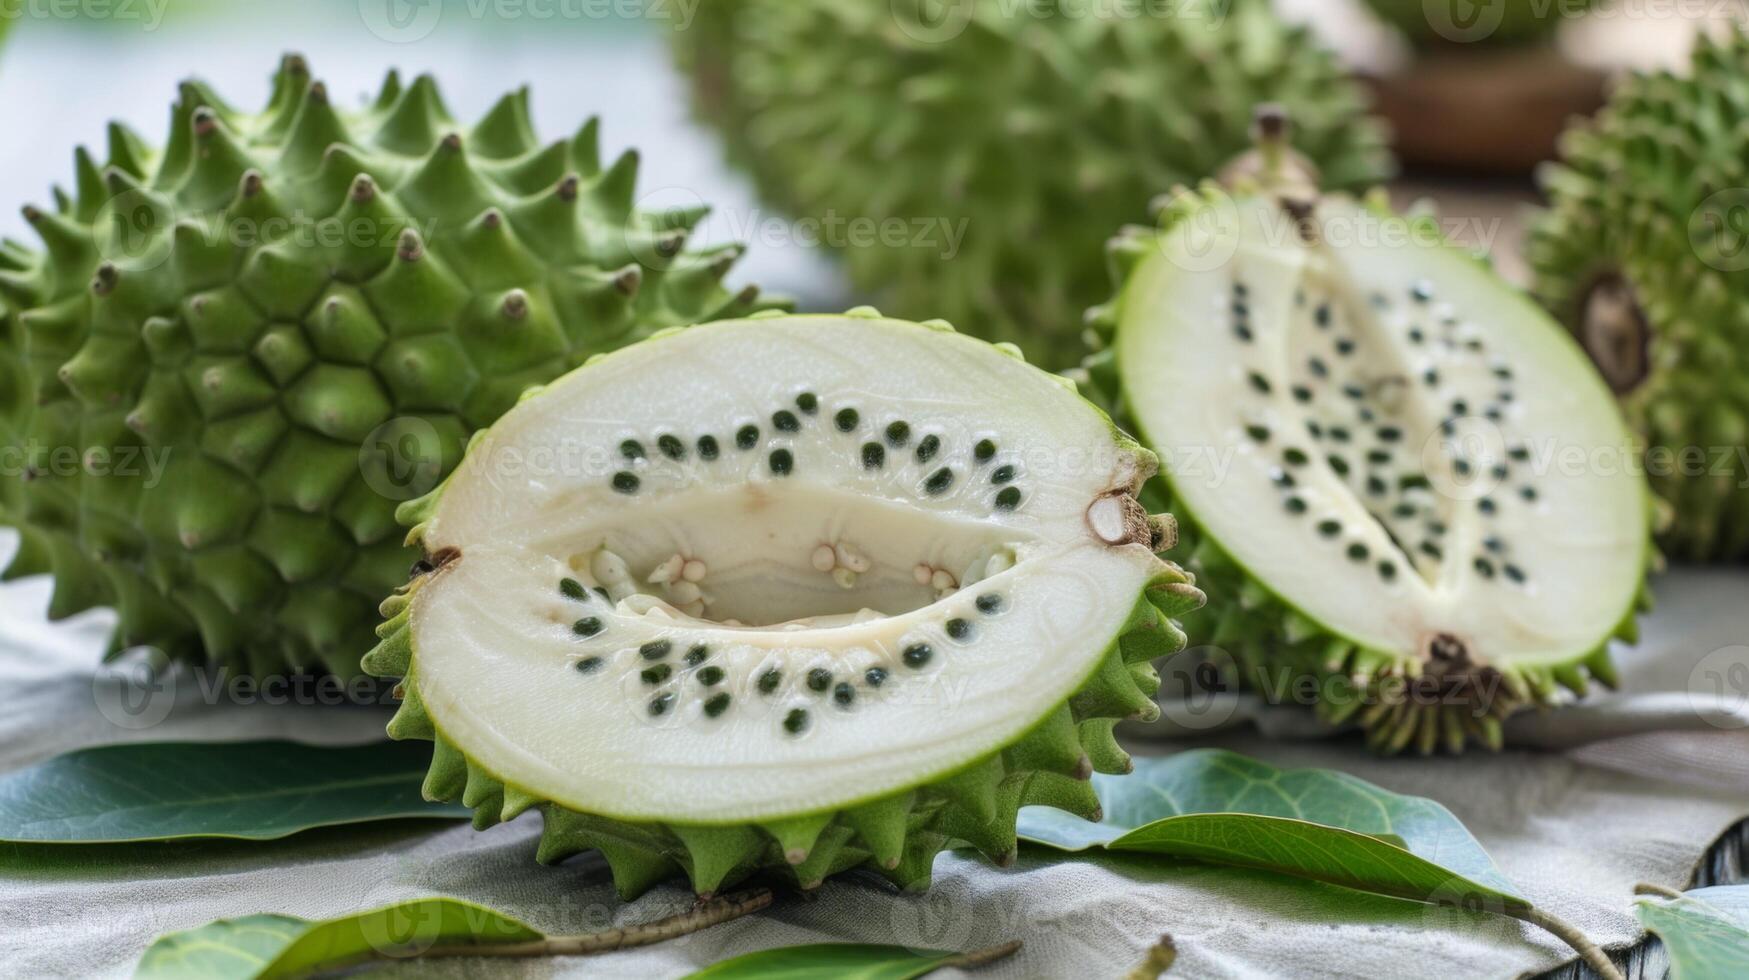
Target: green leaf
{"points": [[1705, 932], [248, 790], [845, 961], [261, 946], [1221, 807]]}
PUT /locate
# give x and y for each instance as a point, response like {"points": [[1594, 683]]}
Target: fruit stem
{"points": [[981, 957], [706, 914], [1646, 888], [1590, 952]]}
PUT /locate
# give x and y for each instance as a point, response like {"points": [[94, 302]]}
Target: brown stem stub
{"points": [[1614, 331], [1119, 519]]}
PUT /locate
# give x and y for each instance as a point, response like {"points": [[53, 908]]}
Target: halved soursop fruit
{"points": [[235, 351], [988, 148], [1411, 497], [1641, 254], [794, 594]]}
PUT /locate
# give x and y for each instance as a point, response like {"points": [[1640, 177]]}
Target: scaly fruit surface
{"points": [[1411, 498], [233, 353], [988, 156], [1641, 255], [785, 595]]}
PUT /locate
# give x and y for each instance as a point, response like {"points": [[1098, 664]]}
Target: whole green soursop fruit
{"points": [[1442, 23], [235, 351], [1411, 499], [1641, 254], [792, 594], [972, 168]]}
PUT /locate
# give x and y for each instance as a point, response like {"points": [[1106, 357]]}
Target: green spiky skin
{"points": [[1399, 703], [1521, 22], [1634, 199], [1035, 131], [896, 836], [249, 304]]}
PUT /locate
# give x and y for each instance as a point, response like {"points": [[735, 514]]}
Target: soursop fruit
{"points": [[231, 348], [1371, 441], [988, 156], [785, 594], [1444, 23], [1641, 255]]}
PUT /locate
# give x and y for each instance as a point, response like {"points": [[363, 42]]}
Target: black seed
{"points": [[1493, 414], [1281, 477], [1302, 393], [746, 437], [1390, 433], [1257, 432], [631, 449], [707, 447], [844, 694], [1315, 429], [711, 676], [1378, 457], [1296, 505], [1355, 392], [1240, 290], [819, 679], [1422, 292], [588, 626], [1486, 505], [716, 704], [876, 676], [657, 674], [1485, 568], [1329, 529], [1462, 466], [588, 665], [1519, 453], [1366, 415], [959, 629], [782, 462], [1404, 511], [660, 704], [927, 448], [1514, 573], [602, 592], [917, 654], [1340, 433], [846, 419], [1414, 481], [769, 680], [626, 482], [1436, 528], [938, 482], [898, 434], [1338, 464], [784, 420], [1344, 346], [1242, 332], [1503, 397], [1002, 474], [1431, 550], [1528, 493], [1319, 368], [1357, 551], [1241, 311], [1387, 570], [1295, 457], [1416, 336], [796, 721], [697, 655], [1460, 407], [1322, 316], [984, 451], [989, 603], [1431, 377], [1376, 486], [1494, 544], [1008, 499], [1447, 427], [1472, 344], [671, 447], [570, 588], [808, 403], [656, 649], [1260, 382], [873, 456], [1500, 471]]}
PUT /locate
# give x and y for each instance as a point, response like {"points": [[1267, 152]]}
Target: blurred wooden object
{"points": [[1494, 111]]}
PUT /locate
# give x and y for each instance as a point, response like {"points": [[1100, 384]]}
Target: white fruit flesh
{"points": [[834, 565], [1297, 391]]}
